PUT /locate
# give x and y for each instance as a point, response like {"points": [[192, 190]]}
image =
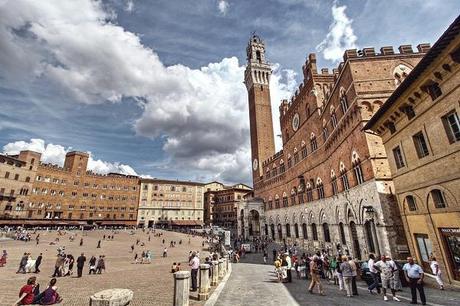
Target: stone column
{"points": [[203, 292], [221, 269], [215, 273], [181, 288]]}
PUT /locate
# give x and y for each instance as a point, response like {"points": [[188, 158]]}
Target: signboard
{"points": [[227, 238]]}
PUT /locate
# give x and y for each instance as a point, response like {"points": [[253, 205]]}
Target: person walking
{"points": [[98, 244], [354, 289], [100, 264], [289, 268], [81, 241], [347, 275], [23, 263], [374, 274], [92, 265], [80, 264], [315, 276], [386, 269], [38, 262], [436, 272], [194, 265], [414, 276]]}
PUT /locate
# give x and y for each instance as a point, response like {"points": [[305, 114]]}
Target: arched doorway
{"points": [[272, 230], [354, 239], [254, 223]]}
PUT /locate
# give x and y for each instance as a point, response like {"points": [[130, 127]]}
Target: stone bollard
{"points": [[111, 297], [215, 273], [181, 288], [221, 269], [203, 292]]}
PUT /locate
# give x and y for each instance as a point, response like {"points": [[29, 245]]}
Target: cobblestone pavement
{"points": [[152, 283], [253, 283]]}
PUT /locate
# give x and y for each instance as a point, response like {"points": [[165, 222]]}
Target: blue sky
{"points": [[155, 87]]}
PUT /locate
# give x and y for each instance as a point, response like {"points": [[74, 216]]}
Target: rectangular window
{"points": [[420, 145], [452, 126], [314, 145], [7, 174], [434, 91], [296, 157], [16, 177], [399, 159], [285, 202], [425, 249], [304, 152]]}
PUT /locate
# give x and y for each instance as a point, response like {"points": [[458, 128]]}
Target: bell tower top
{"points": [[256, 50], [258, 71]]}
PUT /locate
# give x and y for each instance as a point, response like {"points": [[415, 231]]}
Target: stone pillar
{"points": [[203, 292], [181, 288], [215, 273], [221, 269]]}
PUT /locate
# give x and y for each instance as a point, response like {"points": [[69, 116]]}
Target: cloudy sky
{"points": [[155, 87]]}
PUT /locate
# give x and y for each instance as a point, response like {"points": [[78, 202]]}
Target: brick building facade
{"points": [[71, 195], [330, 186], [420, 128], [170, 203]]}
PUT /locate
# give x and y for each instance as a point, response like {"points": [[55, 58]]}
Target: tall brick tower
{"points": [[257, 80]]}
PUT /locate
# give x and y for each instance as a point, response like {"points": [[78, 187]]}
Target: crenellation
{"points": [[387, 50], [423, 48], [351, 53], [368, 52], [405, 49], [324, 71]]}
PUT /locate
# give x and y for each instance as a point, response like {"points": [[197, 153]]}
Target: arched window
{"points": [[344, 176], [296, 230], [342, 233], [343, 100], [438, 198], [357, 170], [335, 189], [296, 156], [285, 201], [277, 201], [411, 203], [333, 117], [400, 73], [313, 143], [309, 192], [314, 231], [304, 231], [289, 161], [282, 167], [293, 196], [320, 188], [288, 230], [304, 150], [327, 236]]}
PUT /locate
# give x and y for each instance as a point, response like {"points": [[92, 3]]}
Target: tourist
{"points": [[132, 248], [98, 244], [354, 288], [92, 265], [436, 272], [386, 269], [23, 263], [81, 241], [174, 268], [288, 267], [414, 276], [165, 252], [3, 258], [339, 273], [100, 265], [50, 295], [265, 257], [80, 264], [315, 276], [374, 274], [347, 274], [194, 265], [71, 263], [38, 262], [28, 292]]}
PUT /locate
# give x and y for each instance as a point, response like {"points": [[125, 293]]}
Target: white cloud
{"points": [[55, 154], [129, 6], [77, 49], [340, 36], [223, 5]]}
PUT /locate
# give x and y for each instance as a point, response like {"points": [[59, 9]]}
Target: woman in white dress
{"points": [[436, 272]]}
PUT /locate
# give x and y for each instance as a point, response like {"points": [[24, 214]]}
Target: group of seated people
{"points": [[30, 293], [175, 267]]}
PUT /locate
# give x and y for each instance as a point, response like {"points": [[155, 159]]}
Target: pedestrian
{"points": [[414, 276], [339, 273], [71, 262], [23, 263], [81, 241], [288, 267], [265, 257], [386, 269], [100, 265], [347, 274], [315, 276], [98, 244], [92, 265], [436, 272], [374, 274], [194, 264], [132, 248], [354, 288], [80, 264], [38, 262], [165, 252]]}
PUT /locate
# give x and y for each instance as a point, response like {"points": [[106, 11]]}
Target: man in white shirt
{"points": [[436, 272], [374, 274], [414, 276], [386, 269], [194, 265]]}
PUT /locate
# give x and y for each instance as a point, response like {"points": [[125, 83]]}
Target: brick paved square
{"points": [[152, 284]]}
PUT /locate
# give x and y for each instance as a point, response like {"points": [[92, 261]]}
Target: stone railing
{"points": [[209, 276]]}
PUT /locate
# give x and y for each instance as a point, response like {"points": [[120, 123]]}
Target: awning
{"points": [[186, 223]]}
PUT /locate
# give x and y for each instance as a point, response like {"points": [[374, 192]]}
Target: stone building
{"points": [[71, 195], [170, 203], [222, 203], [250, 217], [330, 186], [16, 176], [420, 127]]}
